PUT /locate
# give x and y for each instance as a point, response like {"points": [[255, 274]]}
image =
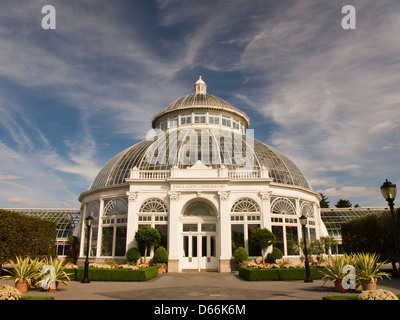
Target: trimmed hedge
{"points": [[97, 274], [278, 274], [23, 235]]}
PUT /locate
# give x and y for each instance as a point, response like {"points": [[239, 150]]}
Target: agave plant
{"points": [[53, 271], [367, 267], [333, 270], [22, 269]]}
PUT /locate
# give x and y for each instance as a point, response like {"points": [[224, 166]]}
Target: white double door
{"points": [[199, 247]]}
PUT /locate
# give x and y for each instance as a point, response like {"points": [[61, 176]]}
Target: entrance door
{"points": [[199, 247]]}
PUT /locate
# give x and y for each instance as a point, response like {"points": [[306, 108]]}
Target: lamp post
{"points": [[389, 190], [89, 221], [303, 222]]}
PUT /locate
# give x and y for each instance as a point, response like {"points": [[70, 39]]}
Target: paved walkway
{"points": [[200, 286]]}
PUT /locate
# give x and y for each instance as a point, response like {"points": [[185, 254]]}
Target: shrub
{"points": [[133, 255], [240, 255], [95, 274], [253, 274], [22, 235], [274, 255], [160, 255]]}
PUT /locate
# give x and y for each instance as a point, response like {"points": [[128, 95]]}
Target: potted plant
{"points": [[23, 272], [52, 274], [367, 270], [333, 271], [160, 259]]}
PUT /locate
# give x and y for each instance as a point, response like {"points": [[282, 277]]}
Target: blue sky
{"points": [[72, 98]]}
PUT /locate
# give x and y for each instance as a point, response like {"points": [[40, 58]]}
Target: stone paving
{"points": [[201, 286]]}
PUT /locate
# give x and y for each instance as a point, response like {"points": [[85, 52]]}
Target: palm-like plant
{"points": [[53, 271], [333, 271], [22, 269], [367, 267]]}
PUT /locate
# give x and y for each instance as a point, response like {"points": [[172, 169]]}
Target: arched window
{"points": [[154, 205], [115, 207], [285, 226], [283, 206], [199, 208], [245, 217], [245, 205], [307, 209], [153, 212], [114, 227]]}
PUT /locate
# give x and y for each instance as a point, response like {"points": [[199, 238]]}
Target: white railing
{"points": [[198, 173], [243, 174], [154, 174]]}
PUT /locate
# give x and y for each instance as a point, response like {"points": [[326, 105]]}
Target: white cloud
{"points": [[339, 168]]}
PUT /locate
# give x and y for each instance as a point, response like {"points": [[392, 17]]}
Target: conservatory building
{"points": [[205, 183]]}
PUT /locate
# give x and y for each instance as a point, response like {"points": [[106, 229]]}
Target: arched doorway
{"points": [[199, 237]]}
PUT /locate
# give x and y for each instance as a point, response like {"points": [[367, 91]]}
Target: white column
{"points": [[174, 234], [132, 220], [224, 234]]}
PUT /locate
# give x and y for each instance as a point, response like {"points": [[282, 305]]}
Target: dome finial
{"points": [[200, 86]]}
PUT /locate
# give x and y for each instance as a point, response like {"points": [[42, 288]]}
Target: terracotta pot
{"points": [[368, 284], [22, 285], [160, 270], [53, 286], [339, 287]]}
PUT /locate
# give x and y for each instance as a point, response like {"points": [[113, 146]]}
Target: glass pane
{"points": [[107, 241], [253, 251], [163, 229], [292, 241], [194, 247], [237, 236], [120, 242], [313, 234], [204, 246], [213, 246], [278, 232], [208, 227], [189, 227], [186, 246]]}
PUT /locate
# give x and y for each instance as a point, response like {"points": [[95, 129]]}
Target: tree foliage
{"points": [[147, 236], [262, 239], [343, 204]]}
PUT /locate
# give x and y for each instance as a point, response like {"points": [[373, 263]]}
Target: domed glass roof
{"points": [[280, 168], [218, 146], [200, 99]]}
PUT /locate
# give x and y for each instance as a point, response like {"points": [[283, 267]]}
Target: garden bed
{"points": [[117, 274], [278, 274]]}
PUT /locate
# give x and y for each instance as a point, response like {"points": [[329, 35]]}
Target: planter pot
{"points": [[339, 287], [160, 270], [53, 286], [22, 285], [368, 284]]}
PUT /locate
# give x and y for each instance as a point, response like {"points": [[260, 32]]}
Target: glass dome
{"points": [[210, 137], [280, 168]]}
